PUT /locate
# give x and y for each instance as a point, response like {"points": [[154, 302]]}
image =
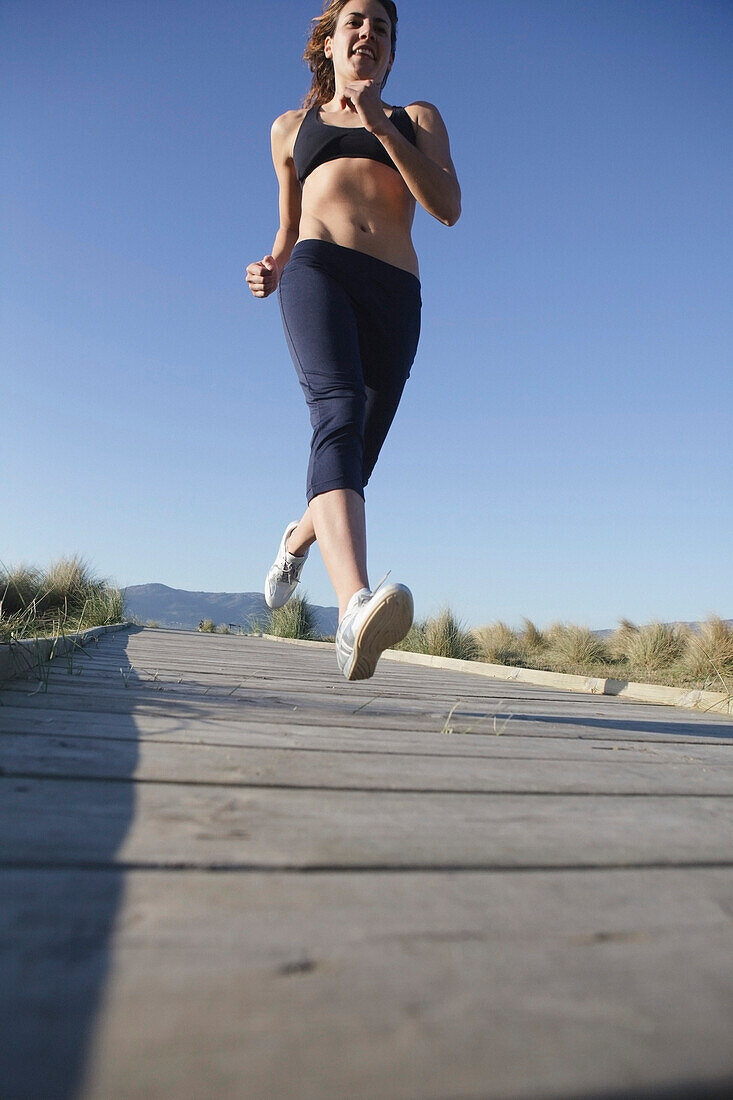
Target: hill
{"points": [[175, 607]]}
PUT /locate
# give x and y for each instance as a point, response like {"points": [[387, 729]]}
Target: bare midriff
{"points": [[361, 204]]}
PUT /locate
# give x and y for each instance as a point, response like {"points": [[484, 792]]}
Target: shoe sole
{"points": [[386, 625]]}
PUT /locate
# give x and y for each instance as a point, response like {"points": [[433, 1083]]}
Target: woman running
{"points": [[350, 169]]}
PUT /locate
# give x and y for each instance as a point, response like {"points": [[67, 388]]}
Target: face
{"points": [[361, 46]]}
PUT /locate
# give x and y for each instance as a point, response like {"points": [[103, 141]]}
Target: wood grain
{"points": [[225, 872]]}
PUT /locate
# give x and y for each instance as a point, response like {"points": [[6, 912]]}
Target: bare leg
{"points": [[338, 521], [302, 537]]}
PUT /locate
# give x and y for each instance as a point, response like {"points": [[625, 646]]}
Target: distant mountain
{"points": [[174, 607]]}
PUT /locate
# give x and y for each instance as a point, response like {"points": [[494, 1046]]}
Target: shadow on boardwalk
{"points": [[57, 942], [684, 1090], [615, 726]]}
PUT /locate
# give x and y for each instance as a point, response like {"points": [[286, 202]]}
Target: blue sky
{"points": [[564, 446]]}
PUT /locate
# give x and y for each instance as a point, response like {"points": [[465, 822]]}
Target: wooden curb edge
{"points": [[25, 658], [687, 698]]}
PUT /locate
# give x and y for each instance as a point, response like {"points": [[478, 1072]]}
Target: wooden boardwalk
{"points": [[226, 873]]}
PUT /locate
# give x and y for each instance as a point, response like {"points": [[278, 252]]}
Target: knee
{"points": [[341, 417]]}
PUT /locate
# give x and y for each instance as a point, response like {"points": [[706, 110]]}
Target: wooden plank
{"points": [[191, 652], [261, 986], [373, 710], [239, 731], [39, 756], [82, 821], [548, 968], [380, 695]]}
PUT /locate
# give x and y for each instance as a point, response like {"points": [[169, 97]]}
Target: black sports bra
{"points": [[318, 143]]}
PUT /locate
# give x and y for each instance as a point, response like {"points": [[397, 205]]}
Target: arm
{"points": [[426, 169], [264, 275]]}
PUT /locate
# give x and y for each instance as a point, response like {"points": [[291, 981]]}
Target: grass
{"points": [[655, 646], [500, 645], [655, 653], [63, 599], [575, 647], [295, 620], [68, 597], [711, 649], [442, 636]]}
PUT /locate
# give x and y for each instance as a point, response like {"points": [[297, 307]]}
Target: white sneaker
{"points": [[284, 574], [373, 622]]}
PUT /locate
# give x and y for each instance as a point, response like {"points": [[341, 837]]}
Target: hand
{"points": [[263, 276], [364, 99]]}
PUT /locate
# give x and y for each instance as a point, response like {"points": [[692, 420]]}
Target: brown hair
{"points": [[323, 85]]}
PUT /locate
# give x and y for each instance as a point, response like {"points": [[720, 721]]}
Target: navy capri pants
{"points": [[352, 324]]}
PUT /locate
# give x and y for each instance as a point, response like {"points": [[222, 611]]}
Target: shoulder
{"points": [[424, 115], [284, 130], [288, 122]]}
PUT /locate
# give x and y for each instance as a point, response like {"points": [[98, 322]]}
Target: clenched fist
{"points": [[262, 277]]}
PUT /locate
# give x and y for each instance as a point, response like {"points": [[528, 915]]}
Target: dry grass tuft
{"points": [[295, 620], [619, 642], [442, 636], [533, 639], [575, 648], [19, 586], [499, 645], [63, 599], [657, 647], [655, 653], [709, 654]]}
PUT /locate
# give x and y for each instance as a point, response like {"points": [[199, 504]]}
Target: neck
{"points": [[341, 83]]}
